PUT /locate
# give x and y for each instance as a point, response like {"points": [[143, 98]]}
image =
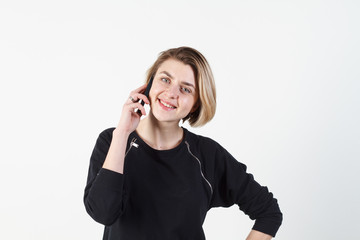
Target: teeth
{"points": [[167, 105]]}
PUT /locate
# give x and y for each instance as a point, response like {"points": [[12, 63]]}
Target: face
{"points": [[173, 93]]}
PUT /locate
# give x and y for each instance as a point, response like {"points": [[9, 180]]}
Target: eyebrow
{"points": [[185, 83], [166, 73]]}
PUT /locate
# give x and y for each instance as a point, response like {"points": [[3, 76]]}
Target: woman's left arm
{"points": [[233, 185], [256, 235]]}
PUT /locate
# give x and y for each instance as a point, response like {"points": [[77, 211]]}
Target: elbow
{"points": [[105, 216], [269, 225], [270, 221]]}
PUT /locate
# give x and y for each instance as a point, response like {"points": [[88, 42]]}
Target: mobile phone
{"points": [[146, 93]]}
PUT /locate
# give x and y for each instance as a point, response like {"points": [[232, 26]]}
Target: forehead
{"points": [[178, 70]]}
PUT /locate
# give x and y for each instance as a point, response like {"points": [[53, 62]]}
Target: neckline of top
{"points": [[142, 143]]}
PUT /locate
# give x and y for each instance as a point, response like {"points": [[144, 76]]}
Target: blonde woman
{"points": [[152, 179]]}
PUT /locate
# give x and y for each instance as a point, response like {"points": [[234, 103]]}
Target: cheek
{"points": [[190, 103], [152, 94], [156, 90]]}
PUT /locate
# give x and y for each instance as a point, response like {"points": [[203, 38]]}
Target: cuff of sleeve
{"points": [[110, 179], [267, 227]]}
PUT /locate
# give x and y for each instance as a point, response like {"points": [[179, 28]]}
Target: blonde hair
{"points": [[206, 102]]}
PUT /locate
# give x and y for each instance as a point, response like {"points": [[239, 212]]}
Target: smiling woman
{"points": [[204, 81], [174, 91], [152, 179]]}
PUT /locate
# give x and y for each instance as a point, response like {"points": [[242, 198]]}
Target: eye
{"points": [[165, 80], [186, 90]]}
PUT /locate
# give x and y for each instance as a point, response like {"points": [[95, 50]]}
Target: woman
{"points": [[151, 179]]}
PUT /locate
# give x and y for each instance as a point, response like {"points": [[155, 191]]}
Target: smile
{"points": [[166, 105]]}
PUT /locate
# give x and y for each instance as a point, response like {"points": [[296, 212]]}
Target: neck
{"points": [[159, 135]]}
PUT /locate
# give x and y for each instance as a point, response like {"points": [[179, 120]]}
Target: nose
{"points": [[173, 91]]}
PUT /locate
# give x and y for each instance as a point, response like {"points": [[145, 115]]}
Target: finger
{"points": [[136, 106], [140, 111], [137, 96], [134, 95], [133, 99], [140, 89]]}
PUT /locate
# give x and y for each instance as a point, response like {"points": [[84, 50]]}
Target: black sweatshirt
{"points": [[165, 194]]}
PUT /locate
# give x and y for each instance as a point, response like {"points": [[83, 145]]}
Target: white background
{"points": [[287, 76]]}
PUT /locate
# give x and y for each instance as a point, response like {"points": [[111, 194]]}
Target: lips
{"points": [[165, 104]]}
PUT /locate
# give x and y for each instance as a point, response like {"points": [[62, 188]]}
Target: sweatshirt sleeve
{"points": [[104, 194], [233, 185]]}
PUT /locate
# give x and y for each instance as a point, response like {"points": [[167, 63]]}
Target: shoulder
{"points": [[211, 151], [204, 144], [200, 140], [105, 136], [107, 133]]}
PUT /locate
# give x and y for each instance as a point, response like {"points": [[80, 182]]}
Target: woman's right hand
{"points": [[130, 119]]}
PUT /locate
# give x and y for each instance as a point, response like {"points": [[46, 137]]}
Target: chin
{"points": [[165, 118]]}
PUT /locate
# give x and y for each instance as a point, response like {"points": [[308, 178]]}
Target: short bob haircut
{"points": [[205, 84]]}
